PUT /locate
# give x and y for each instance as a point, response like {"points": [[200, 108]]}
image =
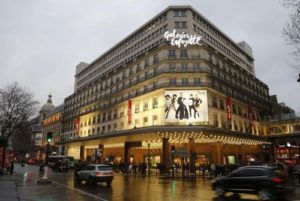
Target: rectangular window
{"points": [[215, 118], [222, 105], [234, 109], [109, 116], [145, 121], [214, 102], [180, 24], [184, 67], [172, 67], [173, 81], [197, 81], [172, 54], [137, 108], [146, 63], [183, 53], [145, 106], [239, 111], [138, 67], [185, 81], [154, 119], [196, 67], [115, 114], [154, 103], [155, 59], [180, 13]]}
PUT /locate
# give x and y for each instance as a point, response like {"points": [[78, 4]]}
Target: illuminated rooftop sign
{"points": [[184, 39]]}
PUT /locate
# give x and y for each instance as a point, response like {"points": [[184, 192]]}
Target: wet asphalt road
{"points": [[123, 188]]}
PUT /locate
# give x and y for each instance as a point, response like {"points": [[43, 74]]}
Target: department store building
{"points": [[177, 88]]}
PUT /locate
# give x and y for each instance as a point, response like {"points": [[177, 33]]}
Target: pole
{"points": [[45, 176], [45, 179]]}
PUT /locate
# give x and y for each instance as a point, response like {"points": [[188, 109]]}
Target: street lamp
{"points": [[298, 78], [44, 179]]}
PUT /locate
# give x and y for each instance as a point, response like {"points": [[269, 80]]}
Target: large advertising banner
{"points": [[186, 106]]}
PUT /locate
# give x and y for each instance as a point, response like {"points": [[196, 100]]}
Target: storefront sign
{"points": [[184, 39], [228, 108]]}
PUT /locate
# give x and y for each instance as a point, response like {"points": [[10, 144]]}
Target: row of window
{"points": [[115, 127], [216, 33], [118, 58], [236, 125], [88, 80], [222, 47], [156, 22], [235, 109]]}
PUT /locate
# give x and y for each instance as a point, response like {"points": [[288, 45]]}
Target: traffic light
{"points": [[49, 136]]}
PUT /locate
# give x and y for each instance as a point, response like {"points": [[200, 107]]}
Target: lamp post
{"points": [[298, 78], [45, 179], [149, 165]]}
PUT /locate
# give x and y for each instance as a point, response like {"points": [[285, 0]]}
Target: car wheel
{"points": [[77, 179], [91, 181], [264, 195], [220, 191]]}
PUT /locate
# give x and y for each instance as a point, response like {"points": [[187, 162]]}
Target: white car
{"points": [[93, 173]]}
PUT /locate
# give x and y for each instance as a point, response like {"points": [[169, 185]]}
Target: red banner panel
{"points": [[129, 111], [77, 126], [228, 108], [250, 116]]}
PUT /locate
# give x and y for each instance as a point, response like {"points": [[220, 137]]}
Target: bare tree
{"points": [[291, 31], [16, 108]]}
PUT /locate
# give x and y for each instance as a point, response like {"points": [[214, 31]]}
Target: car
{"points": [[296, 170], [93, 173], [267, 182], [60, 166]]}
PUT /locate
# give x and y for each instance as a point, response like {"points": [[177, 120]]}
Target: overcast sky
{"points": [[41, 41]]}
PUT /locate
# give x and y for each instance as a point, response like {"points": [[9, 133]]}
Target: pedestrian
{"points": [[11, 167]]}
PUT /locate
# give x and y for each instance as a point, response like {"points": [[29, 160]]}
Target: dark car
{"points": [[60, 166], [268, 183], [296, 170], [93, 173]]}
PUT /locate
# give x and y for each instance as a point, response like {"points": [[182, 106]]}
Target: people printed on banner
{"points": [[181, 107]]}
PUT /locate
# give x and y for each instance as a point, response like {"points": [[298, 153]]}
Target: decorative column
{"points": [[192, 154], [165, 154], [219, 146]]}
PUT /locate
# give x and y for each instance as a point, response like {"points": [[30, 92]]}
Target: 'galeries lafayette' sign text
{"points": [[182, 38]]}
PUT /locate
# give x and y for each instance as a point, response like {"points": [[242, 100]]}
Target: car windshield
{"points": [[104, 168]]}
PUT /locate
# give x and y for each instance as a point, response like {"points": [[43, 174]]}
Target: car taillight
{"points": [[98, 173], [277, 180]]}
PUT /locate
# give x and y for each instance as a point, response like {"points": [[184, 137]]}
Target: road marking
{"points": [[80, 191]]}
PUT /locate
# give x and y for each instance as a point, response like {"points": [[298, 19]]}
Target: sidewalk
{"points": [[8, 189]]}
